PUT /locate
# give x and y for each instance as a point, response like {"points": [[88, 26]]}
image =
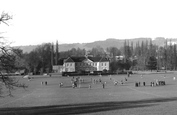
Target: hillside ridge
{"points": [[110, 42]]}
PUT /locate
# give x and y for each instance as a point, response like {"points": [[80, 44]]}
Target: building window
{"points": [[70, 64], [105, 64], [102, 64]]}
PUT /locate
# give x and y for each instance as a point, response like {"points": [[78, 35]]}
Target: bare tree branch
{"points": [[5, 17]]}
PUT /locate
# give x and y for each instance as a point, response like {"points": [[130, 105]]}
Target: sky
{"points": [[82, 21]]}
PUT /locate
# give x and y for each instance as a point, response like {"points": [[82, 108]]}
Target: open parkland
{"points": [[95, 95]]}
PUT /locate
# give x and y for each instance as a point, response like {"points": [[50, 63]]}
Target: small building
{"points": [[119, 58], [59, 68]]}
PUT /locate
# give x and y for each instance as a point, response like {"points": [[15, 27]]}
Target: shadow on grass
{"points": [[72, 109]]}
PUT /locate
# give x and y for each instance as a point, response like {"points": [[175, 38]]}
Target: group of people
{"points": [[157, 83], [44, 83], [76, 81], [152, 84], [95, 81], [116, 82], [137, 84]]}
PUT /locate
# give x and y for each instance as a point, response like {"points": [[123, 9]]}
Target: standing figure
{"points": [[141, 75], [144, 83], [115, 82], [103, 85], [89, 86], [128, 74], [139, 83], [61, 84]]}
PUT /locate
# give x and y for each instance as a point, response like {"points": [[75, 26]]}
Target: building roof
{"points": [[78, 59], [104, 59], [69, 59], [81, 59]]}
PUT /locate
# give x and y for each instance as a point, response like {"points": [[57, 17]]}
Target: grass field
{"points": [[123, 99]]}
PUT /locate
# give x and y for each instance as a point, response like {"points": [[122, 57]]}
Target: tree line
{"points": [[138, 56]]}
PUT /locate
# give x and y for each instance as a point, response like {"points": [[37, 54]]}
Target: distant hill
{"points": [[26, 49], [111, 42]]}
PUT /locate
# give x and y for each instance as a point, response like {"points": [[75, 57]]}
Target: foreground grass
{"points": [[122, 99]]}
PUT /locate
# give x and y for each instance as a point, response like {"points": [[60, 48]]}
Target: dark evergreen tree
{"points": [[152, 63], [52, 55], [174, 57], [56, 53], [165, 54]]}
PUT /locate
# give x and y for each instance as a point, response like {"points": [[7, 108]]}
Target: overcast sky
{"points": [[81, 21]]}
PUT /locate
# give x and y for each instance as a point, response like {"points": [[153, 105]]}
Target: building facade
{"points": [[88, 64]]}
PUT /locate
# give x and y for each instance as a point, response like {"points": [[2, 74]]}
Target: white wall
{"points": [[69, 67]]}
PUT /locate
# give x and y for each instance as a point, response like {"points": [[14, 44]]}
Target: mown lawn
{"points": [[124, 99]]}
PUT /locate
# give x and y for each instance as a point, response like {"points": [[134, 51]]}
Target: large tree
{"points": [[8, 57]]}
